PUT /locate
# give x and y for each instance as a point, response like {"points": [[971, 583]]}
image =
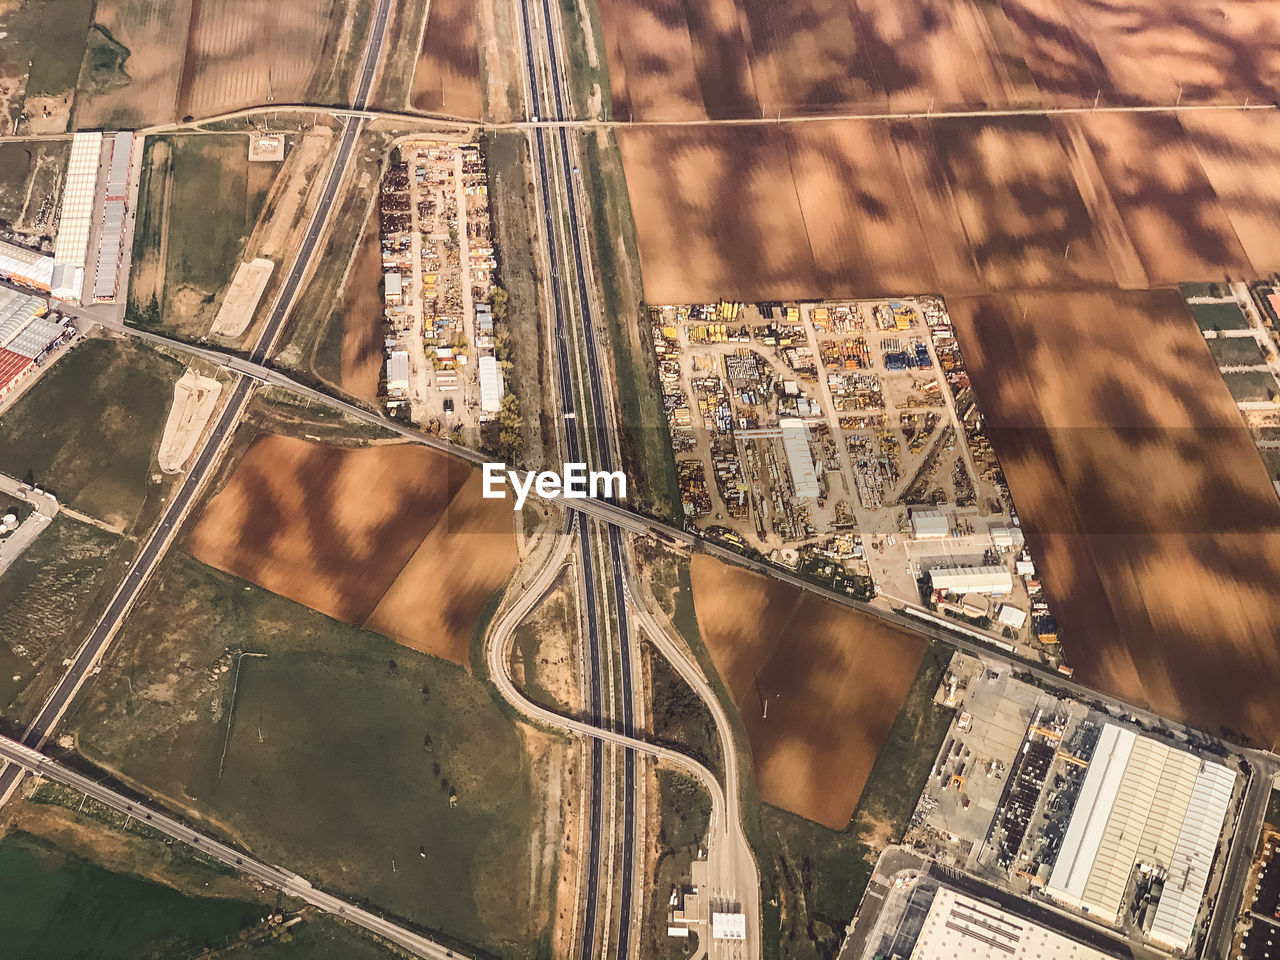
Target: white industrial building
{"points": [[1011, 616], [728, 926], [1149, 806], [398, 371], [28, 268], [71, 248], [929, 523], [968, 579], [795, 442], [114, 208], [20, 313], [962, 928], [1005, 537], [491, 386]]}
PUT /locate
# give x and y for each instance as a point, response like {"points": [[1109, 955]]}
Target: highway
{"points": [[156, 542], [20, 756]]}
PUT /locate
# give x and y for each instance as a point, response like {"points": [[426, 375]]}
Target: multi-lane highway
{"points": [[159, 538], [20, 756]]}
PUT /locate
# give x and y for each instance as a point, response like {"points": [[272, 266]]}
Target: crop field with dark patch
{"points": [[447, 79]]}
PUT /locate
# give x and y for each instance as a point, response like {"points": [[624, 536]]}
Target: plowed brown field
{"points": [[363, 534], [362, 318], [870, 207], [1142, 495], [833, 680], [677, 59], [447, 79]]}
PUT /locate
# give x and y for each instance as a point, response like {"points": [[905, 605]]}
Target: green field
{"points": [[585, 79], [1235, 351], [1252, 385], [214, 197], [89, 428], [51, 35], [104, 62], [344, 752], [47, 599], [644, 437], [679, 718], [57, 905], [1219, 316]]}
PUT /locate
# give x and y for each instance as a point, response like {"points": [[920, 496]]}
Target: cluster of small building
{"points": [[438, 283], [28, 334]]}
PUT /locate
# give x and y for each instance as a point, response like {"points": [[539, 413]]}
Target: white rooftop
{"points": [[795, 442]]}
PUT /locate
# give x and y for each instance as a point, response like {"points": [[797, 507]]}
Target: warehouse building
{"points": [[958, 927], [27, 268], [1148, 807], [968, 579], [929, 523], [71, 248], [115, 205], [25, 336], [491, 386], [398, 371], [795, 442]]}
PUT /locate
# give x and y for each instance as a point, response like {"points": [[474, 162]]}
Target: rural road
{"points": [[86, 659], [21, 756]]}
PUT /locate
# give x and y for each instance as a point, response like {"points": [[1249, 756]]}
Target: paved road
{"points": [[1244, 840], [20, 755], [144, 563]]}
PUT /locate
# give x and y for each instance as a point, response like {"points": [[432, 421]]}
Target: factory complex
{"points": [[26, 336], [90, 246], [1148, 818], [843, 440]]}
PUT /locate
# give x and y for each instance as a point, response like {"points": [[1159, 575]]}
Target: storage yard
{"points": [[818, 685], [443, 362], [359, 533], [844, 440]]}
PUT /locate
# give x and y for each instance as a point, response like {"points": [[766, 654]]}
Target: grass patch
{"points": [[1273, 810], [344, 752], [585, 79], [1235, 351], [103, 69], [644, 437], [680, 719], [52, 37], [47, 598], [1218, 316], [334, 85], [1252, 385], [89, 428], [19, 162], [58, 905]]}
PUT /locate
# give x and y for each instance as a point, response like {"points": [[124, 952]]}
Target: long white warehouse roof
{"points": [[71, 247], [971, 579], [27, 267], [1143, 802], [491, 386], [795, 442], [962, 928]]}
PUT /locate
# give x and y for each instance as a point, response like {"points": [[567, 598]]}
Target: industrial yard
{"points": [[444, 352], [843, 440]]}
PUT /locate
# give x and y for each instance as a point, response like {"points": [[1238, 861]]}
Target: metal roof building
{"points": [[71, 248], [398, 370], [29, 268], [929, 523], [1143, 803], [491, 386], [961, 579], [795, 442], [962, 928], [111, 239]]}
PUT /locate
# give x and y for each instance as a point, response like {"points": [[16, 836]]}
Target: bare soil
{"points": [[818, 686], [447, 80], [362, 353]]}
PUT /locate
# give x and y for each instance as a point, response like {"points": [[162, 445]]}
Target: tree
{"points": [[510, 428], [498, 301]]}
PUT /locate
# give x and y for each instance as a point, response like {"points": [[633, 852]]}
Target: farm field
{"points": [[243, 52], [763, 213], [1252, 385], [89, 428], [833, 681], [1141, 493], [364, 535], [328, 710], [362, 308], [198, 202], [1235, 351], [672, 59], [141, 88], [46, 601], [1219, 316], [447, 78]]}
